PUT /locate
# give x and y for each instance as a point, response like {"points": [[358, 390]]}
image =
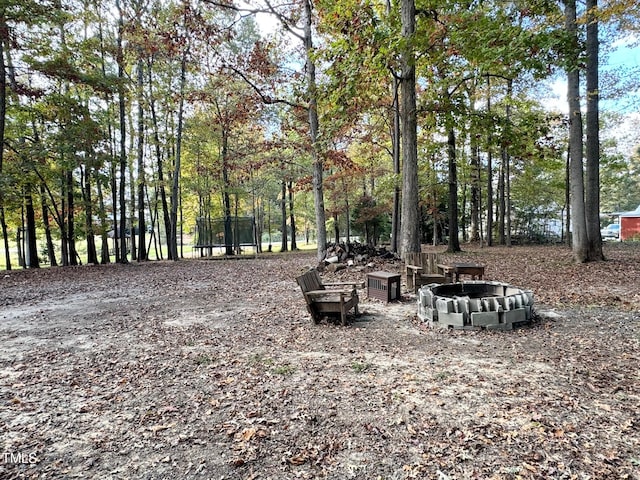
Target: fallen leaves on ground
{"points": [[213, 369]]}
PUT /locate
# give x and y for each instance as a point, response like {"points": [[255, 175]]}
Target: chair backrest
{"points": [[427, 260], [310, 281]]}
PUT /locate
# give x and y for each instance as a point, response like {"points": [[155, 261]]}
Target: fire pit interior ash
{"points": [[475, 305]]}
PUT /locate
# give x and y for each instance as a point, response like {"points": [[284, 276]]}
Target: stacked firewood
{"points": [[341, 255]]}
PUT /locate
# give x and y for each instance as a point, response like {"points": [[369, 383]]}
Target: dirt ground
{"points": [[213, 369]]}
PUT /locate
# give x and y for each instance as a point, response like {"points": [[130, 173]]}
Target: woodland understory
{"points": [[213, 369]]}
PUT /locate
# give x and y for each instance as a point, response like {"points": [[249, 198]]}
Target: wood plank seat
{"points": [[321, 301], [422, 269]]}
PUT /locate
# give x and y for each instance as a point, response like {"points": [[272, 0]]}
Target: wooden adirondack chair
{"points": [[422, 269], [339, 298]]}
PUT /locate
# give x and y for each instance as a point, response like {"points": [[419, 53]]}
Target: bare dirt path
{"points": [[212, 369]]}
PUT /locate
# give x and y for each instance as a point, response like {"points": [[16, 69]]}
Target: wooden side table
{"points": [[474, 269], [384, 286]]}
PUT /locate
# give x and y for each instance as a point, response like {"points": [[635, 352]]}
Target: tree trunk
{"points": [[122, 234], [226, 196], [501, 207], [489, 172], [105, 254], [21, 261], [284, 245], [104, 237], [133, 191], [395, 139], [475, 191], [175, 188], [454, 241], [142, 226], [592, 151], [71, 224], [409, 223], [476, 176], [47, 227], [62, 223], [507, 166], [159, 164], [92, 254], [114, 202], [314, 126], [31, 258], [580, 243], [153, 215], [567, 198], [292, 218], [347, 215], [3, 113]]}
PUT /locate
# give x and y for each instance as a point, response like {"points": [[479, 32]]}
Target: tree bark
{"points": [[592, 151], [32, 260], [104, 237], [580, 242], [567, 198], [284, 244], [507, 166], [395, 138], [409, 223], [166, 219], [476, 175], [47, 227], [175, 188], [454, 241], [122, 234], [3, 113], [314, 125], [501, 200], [92, 254], [226, 196], [489, 172], [71, 224], [292, 217]]}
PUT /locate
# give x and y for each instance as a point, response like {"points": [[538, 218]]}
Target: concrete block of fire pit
{"points": [[490, 304], [461, 305], [425, 297], [514, 316], [505, 303], [483, 319], [445, 305], [427, 314], [450, 319]]}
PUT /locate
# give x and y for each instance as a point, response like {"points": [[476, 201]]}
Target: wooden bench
{"points": [[321, 301], [422, 269]]}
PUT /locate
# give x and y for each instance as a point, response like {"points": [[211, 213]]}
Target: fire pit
{"points": [[475, 305]]}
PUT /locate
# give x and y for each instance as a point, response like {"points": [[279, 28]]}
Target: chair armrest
{"points": [[414, 268], [330, 293], [345, 284]]}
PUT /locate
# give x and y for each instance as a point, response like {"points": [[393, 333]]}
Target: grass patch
{"points": [[360, 367], [285, 370]]}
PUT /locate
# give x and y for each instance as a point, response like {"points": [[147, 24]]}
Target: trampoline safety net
{"points": [[210, 232]]}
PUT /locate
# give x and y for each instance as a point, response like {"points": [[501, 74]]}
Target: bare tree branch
{"points": [[270, 10], [267, 99]]}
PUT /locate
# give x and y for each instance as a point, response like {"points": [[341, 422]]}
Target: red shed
{"points": [[630, 225]]}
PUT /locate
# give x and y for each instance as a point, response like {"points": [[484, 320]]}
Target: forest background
{"points": [[124, 122]]}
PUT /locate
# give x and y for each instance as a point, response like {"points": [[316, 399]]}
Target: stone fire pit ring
{"points": [[475, 305]]}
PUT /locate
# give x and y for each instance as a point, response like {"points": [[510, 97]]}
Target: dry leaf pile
{"points": [[213, 369]]}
